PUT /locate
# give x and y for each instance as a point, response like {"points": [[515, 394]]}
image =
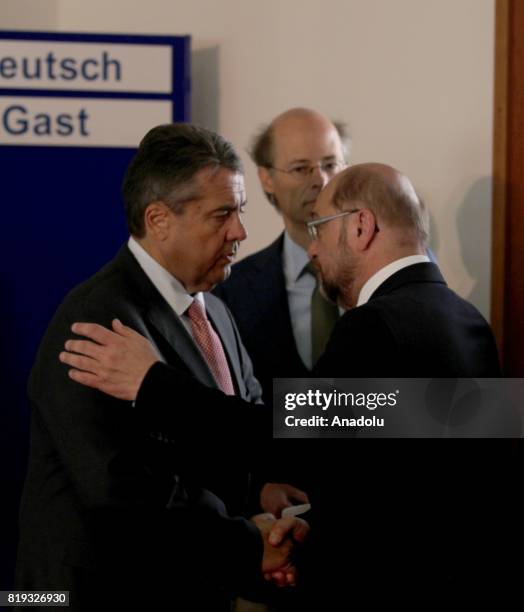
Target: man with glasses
{"points": [[411, 523], [283, 319], [274, 293], [436, 515], [369, 236]]}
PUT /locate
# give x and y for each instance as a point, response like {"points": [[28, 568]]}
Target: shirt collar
{"points": [[168, 286], [373, 283], [295, 259]]}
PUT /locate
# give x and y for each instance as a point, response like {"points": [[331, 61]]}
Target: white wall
{"points": [[413, 78], [29, 14]]}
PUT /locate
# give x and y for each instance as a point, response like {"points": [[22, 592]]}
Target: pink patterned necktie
{"points": [[209, 342]]}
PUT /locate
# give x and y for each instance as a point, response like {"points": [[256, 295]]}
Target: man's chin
{"points": [[219, 276]]}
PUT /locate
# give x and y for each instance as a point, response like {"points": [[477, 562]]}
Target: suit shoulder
{"points": [[105, 287], [424, 301], [95, 298]]}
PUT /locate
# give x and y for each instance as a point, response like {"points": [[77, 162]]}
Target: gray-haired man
{"points": [[123, 506]]}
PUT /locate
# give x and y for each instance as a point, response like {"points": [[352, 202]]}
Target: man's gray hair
{"points": [[164, 168]]}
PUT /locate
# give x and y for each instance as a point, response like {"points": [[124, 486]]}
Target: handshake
{"points": [[280, 535]]}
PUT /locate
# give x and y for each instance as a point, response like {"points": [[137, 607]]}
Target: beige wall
{"points": [[413, 78]]}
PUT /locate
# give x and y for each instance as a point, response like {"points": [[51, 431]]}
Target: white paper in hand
{"points": [[296, 510]]}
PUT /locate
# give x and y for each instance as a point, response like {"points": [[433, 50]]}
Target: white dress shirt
{"points": [[373, 283], [167, 285]]}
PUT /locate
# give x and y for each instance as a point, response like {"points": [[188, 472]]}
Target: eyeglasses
{"points": [[312, 225], [304, 171]]}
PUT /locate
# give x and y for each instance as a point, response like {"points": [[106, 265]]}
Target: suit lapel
{"points": [[167, 323], [269, 281], [161, 316]]}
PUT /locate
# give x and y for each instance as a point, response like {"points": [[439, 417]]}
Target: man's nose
{"points": [[319, 177], [236, 230]]}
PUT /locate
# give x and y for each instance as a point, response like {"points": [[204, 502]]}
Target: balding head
{"points": [[297, 154], [299, 114], [389, 194], [267, 142], [369, 216]]}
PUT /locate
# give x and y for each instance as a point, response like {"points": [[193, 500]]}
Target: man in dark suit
{"points": [[125, 508], [270, 293], [428, 521], [369, 237]]}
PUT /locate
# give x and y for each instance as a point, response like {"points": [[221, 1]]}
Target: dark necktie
{"points": [[324, 315]]}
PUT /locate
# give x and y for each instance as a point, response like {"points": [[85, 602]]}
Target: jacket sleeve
{"points": [[167, 392]]}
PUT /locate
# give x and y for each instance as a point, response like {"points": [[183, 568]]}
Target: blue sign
{"points": [[73, 108]]}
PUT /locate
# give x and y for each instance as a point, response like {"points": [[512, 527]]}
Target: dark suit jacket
{"points": [[403, 521], [256, 295], [422, 520], [118, 507], [413, 326]]}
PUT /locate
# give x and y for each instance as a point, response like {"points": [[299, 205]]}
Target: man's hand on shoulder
{"points": [[114, 362]]}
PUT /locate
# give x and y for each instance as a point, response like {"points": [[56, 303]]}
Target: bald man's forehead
{"points": [[306, 139], [294, 123]]}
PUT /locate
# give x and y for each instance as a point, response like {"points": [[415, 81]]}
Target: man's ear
{"points": [[366, 228], [157, 220], [266, 180]]}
